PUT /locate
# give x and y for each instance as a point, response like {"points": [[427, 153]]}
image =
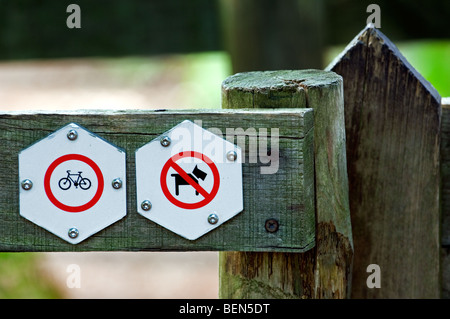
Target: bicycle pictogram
{"points": [[66, 182]]}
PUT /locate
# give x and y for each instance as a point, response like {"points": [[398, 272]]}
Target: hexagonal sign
{"points": [[189, 180], [72, 183]]}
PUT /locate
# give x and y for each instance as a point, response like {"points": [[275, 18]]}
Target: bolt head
{"points": [[26, 184], [73, 233], [72, 135], [146, 205], [231, 156], [213, 219], [117, 183], [165, 141], [272, 225]]}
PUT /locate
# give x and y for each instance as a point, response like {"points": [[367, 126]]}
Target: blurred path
{"points": [[190, 275], [191, 81]]}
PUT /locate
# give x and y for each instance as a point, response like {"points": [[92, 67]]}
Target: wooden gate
{"points": [[375, 143]]}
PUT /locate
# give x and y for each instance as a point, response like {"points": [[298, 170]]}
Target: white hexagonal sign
{"points": [[72, 183], [189, 180]]}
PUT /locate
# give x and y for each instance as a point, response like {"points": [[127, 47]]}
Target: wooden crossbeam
{"points": [[286, 195]]}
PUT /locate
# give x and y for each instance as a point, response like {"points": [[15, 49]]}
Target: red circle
{"points": [[181, 204], [76, 157]]}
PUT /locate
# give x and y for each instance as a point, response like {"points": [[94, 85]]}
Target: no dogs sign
{"points": [[189, 180], [177, 172]]}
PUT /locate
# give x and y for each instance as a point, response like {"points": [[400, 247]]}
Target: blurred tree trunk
{"points": [[273, 35]]}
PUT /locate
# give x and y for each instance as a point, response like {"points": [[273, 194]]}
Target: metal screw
{"points": [[165, 141], [27, 184], [231, 156], [72, 135], [213, 219], [117, 183], [146, 205], [73, 233], [272, 225]]}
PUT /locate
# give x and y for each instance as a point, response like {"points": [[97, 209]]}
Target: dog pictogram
{"points": [[195, 175], [194, 179]]}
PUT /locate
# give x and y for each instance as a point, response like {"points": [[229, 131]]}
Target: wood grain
{"points": [[445, 171], [392, 121], [284, 195], [325, 271]]}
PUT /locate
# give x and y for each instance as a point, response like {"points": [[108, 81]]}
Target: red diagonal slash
{"points": [[188, 179]]}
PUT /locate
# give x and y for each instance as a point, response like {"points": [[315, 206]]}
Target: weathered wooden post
{"points": [[393, 118], [324, 271]]}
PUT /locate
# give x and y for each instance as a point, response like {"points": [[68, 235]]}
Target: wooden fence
{"points": [[381, 152]]}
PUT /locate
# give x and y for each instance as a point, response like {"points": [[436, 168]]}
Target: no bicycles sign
{"points": [[68, 189], [189, 180], [72, 183]]}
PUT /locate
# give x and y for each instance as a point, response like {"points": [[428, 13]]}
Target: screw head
{"points": [[117, 183], [231, 156], [73, 233], [213, 219], [72, 135], [146, 205], [272, 225], [26, 184], [165, 141]]}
